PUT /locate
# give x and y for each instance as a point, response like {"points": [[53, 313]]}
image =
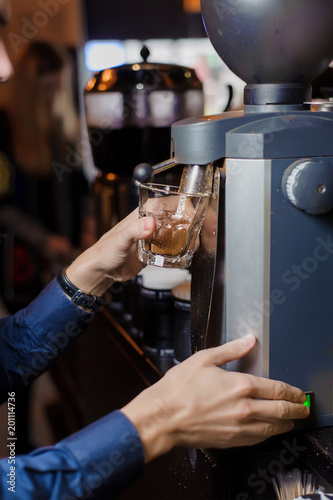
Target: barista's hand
{"points": [[113, 258], [199, 405]]}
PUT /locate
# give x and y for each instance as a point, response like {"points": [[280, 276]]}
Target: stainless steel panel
{"points": [[247, 282]]}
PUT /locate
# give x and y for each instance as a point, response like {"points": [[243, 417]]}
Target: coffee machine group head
{"points": [[265, 261]]}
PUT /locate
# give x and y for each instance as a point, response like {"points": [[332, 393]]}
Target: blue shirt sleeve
{"points": [[108, 454], [96, 462], [33, 337]]}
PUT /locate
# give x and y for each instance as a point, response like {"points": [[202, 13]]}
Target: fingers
{"points": [[271, 427], [261, 429], [230, 351], [257, 431], [282, 410], [265, 388], [255, 387], [259, 420]]}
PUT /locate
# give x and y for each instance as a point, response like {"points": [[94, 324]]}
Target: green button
{"points": [[308, 401]]}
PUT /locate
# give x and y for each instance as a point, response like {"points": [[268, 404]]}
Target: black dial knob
{"points": [[308, 185], [143, 172]]}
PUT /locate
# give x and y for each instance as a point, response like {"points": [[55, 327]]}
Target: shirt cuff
{"points": [[109, 452], [52, 311]]}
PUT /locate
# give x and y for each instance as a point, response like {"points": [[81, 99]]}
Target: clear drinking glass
{"points": [[179, 218]]}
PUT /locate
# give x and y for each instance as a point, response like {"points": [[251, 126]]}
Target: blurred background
{"points": [[107, 33]]}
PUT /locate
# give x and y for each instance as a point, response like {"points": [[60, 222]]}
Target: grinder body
{"points": [[270, 269]]}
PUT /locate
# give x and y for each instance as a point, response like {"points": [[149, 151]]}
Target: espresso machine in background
{"points": [[129, 110], [265, 264]]}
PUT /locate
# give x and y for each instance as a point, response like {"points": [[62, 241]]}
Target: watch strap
{"points": [[77, 296]]}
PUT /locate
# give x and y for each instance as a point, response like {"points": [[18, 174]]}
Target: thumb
{"points": [[147, 226], [136, 230], [232, 350]]}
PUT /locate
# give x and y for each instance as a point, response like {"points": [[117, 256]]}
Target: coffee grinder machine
{"points": [[265, 262]]}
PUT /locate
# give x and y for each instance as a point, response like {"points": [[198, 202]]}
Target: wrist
{"points": [[86, 274], [77, 296], [152, 419]]}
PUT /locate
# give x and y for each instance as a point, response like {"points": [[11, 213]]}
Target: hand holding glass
{"points": [[179, 218]]}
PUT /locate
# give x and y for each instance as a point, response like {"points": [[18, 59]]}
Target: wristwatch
{"points": [[82, 299]]}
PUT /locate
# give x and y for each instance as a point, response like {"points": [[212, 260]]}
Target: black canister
{"points": [[135, 307], [158, 313], [181, 321]]}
